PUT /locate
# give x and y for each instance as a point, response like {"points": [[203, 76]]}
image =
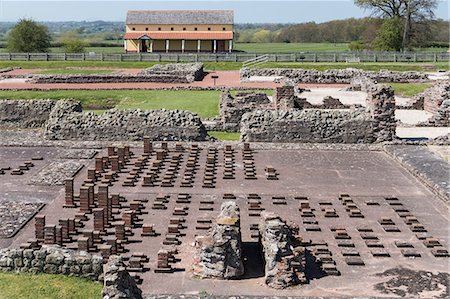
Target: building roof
{"points": [[202, 35], [181, 17]]}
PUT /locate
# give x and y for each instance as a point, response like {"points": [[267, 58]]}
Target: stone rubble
{"points": [[13, 214], [191, 71], [218, 255], [55, 173], [285, 263], [334, 76], [25, 113], [118, 284]]}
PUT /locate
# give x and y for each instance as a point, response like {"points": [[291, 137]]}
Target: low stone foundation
{"points": [[336, 76], [190, 71], [52, 260]]}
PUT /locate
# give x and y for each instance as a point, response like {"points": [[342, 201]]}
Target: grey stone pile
{"points": [[190, 71], [25, 113], [312, 125], [218, 255], [118, 284], [67, 124], [55, 173], [52, 260], [334, 76], [381, 106], [284, 262], [361, 84]]}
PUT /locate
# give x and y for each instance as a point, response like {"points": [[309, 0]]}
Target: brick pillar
{"points": [[64, 223], [68, 185], [91, 175], [104, 202], [50, 234], [99, 165], [111, 151], [84, 199], [148, 146], [120, 230], [39, 225], [99, 219]]}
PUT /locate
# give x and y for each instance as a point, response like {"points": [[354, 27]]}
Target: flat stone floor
{"points": [[369, 177]]}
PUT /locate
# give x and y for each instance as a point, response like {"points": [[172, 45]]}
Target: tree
{"points": [[410, 11], [28, 36], [389, 37], [72, 42]]}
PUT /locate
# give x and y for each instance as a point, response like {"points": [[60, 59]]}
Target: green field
{"points": [[409, 89], [46, 286], [204, 103], [230, 136], [224, 66]]}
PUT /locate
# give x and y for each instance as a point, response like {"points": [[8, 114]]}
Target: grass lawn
{"points": [[409, 89], [224, 66], [225, 135], [75, 71], [46, 286], [204, 103], [291, 47]]}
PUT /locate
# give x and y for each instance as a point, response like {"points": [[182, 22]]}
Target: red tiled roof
{"points": [[220, 35]]}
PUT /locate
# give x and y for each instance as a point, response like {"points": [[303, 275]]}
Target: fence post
{"points": [[334, 57], [395, 57], [101, 56], [315, 57], [435, 57], [415, 57], [375, 57], [28, 56], [46, 56], [83, 56]]}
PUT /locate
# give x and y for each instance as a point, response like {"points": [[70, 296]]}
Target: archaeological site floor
{"points": [[358, 211]]}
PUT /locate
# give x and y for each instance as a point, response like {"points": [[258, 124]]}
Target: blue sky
{"points": [[245, 11]]}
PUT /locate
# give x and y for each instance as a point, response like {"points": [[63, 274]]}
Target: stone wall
{"points": [[25, 113], [191, 71], [284, 262], [105, 78], [381, 106], [334, 76], [218, 255], [123, 125], [434, 96], [320, 126], [232, 108], [118, 283], [441, 118], [52, 260]]}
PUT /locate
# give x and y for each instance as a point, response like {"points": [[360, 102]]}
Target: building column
{"points": [[182, 45], [215, 46], [125, 45], [139, 42], [199, 43], [230, 45], [151, 46], [167, 45]]}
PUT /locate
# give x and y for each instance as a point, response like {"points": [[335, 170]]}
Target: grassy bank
{"points": [[46, 286], [230, 136], [223, 66], [410, 89], [204, 103]]}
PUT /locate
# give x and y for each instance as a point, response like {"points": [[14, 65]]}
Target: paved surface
{"points": [[428, 165], [321, 175]]}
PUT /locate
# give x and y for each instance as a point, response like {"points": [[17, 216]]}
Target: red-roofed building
{"points": [[179, 31]]}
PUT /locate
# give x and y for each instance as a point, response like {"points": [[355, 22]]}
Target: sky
{"points": [[257, 11]]}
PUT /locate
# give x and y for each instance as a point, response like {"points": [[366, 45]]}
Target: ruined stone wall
{"points": [[381, 106], [191, 71], [434, 96], [307, 126], [25, 113], [232, 108], [284, 263], [118, 283], [106, 78], [66, 124], [441, 118], [334, 76], [52, 260], [218, 255]]}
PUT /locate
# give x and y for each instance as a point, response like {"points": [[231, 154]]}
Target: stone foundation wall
{"points": [[218, 255], [343, 76], [441, 118], [285, 263], [434, 96], [107, 78], [191, 71], [25, 113], [171, 125], [381, 106], [307, 126], [52, 260]]}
